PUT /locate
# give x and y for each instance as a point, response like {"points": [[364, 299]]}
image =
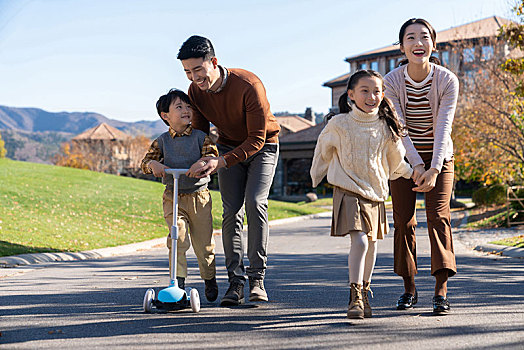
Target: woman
{"points": [[425, 97]]}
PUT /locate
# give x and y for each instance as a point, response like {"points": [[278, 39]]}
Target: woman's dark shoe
{"points": [[407, 300], [440, 305]]}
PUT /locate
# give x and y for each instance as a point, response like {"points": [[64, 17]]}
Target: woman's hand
{"points": [[426, 182], [418, 170]]}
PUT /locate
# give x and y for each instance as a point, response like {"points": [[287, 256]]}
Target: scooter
{"points": [[172, 297]]}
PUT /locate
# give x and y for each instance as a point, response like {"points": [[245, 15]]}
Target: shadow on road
{"points": [[308, 293]]}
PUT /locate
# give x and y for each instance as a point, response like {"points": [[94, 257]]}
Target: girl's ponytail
{"points": [[387, 112], [343, 105]]}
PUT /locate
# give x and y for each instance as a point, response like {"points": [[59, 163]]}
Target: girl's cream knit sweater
{"points": [[358, 154]]}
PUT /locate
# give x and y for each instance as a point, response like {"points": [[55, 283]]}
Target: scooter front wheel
{"points": [[194, 299], [148, 300]]}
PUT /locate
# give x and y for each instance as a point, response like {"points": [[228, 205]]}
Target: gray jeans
{"points": [[246, 182]]}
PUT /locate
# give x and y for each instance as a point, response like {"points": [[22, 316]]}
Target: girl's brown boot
{"points": [[355, 307], [366, 288]]}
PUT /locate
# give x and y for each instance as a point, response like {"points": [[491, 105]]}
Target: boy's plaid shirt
{"points": [[209, 149]]}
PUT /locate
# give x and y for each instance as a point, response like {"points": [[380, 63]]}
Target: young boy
{"points": [[180, 148]]}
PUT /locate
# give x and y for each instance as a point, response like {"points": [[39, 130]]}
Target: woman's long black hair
{"points": [[386, 110]]}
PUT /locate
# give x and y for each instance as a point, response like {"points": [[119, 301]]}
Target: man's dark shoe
{"points": [[211, 289], [181, 281], [257, 292], [440, 305], [407, 300], [234, 295]]}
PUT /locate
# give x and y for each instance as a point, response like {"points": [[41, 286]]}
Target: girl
{"points": [[425, 97], [359, 150]]}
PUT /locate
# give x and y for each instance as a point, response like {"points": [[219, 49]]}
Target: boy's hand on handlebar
{"points": [[158, 168]]}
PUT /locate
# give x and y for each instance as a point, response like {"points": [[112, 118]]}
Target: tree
{"points": [[3, 151], [108, 156], [514, 34], [489, 130], [69, 156]]}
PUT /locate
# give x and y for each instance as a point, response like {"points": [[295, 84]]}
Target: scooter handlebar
{"points": [[176, 172]]}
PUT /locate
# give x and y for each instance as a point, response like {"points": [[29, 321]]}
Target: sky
{"points": [[117, 57]]}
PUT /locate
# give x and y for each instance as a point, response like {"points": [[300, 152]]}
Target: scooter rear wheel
{"points": [[194, 299]]}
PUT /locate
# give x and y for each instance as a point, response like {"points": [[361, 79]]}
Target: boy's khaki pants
{"points": [[194, 213]]}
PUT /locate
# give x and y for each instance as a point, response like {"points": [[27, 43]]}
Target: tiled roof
{"points": [[102, 132], [338, 81], [294, 123], [306, 135]]}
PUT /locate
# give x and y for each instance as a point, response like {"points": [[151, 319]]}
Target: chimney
{"points": [[309, 114]]}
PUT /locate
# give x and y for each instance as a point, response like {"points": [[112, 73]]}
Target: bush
{"points": [[496, 195], [479, 196], [493, 195]]}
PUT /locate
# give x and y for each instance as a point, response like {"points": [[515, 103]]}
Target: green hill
{"points": [[46, 208]]}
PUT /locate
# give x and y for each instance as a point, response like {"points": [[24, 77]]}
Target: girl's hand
{"points": [[426, 182], [158, 168], [418, 170]]}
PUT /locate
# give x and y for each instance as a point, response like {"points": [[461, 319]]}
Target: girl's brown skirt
{"points": [[352, 212]]}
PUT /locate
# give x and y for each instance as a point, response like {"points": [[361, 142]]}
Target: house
{"points": [[458, 49], [105, 147], [296, 153], [290, 124]]}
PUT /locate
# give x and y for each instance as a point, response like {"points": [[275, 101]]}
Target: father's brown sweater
{"points": [[241, 113]]}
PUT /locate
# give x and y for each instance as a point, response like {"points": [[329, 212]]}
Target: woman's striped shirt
{"points": [[419, 119]]}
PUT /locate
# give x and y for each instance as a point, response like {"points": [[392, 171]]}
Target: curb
{"points": [[42, 258], [495, 249]]}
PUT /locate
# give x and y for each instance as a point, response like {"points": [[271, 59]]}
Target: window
{"points": [[444, 57], [392, 64], [374, 66], [469, 78], [363, 66], [487, 53], [468, 54]]}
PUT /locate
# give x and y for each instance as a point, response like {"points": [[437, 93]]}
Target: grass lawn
{"points": [[517, 241], [45, 208]]}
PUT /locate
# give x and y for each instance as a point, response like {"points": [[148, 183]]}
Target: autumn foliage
{"points": [[3, 151], [489, 126], [114, 157]]}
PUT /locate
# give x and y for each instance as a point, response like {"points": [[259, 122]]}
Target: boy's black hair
{"points": [[163, 103], [386, 110], [196, 47]]}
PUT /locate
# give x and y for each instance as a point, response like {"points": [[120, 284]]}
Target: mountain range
{"points": [[38, 120], [35, 135]]}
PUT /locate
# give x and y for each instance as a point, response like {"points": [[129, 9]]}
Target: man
{"points": [[234, 100]]}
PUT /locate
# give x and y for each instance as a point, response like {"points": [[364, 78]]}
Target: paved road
{"points": [[97, 303]]}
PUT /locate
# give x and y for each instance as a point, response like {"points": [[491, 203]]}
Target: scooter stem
{"points": [[174, 227]]}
